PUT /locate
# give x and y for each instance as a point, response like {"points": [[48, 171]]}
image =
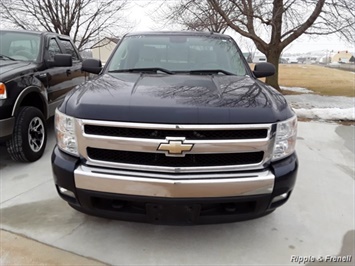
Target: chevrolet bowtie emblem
{"points": [[175, 147]]}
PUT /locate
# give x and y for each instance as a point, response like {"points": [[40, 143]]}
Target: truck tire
{"points": [[29, 138]]}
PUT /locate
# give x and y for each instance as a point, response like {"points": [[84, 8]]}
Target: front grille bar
{"points": [[212, 134], [189, 160]]}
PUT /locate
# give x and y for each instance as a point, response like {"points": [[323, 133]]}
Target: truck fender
{"points": [[31, 89]]}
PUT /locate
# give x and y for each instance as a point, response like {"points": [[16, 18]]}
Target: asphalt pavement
{"points": [[318, 220]]}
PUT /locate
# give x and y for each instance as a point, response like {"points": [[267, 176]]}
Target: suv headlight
{"points": [[285, 139], [65, 133]]}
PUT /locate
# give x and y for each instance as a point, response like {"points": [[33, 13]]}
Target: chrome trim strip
{"points": [[155, 168], [170, 176], [151, 145], [22, 93], [219, 185], [172, 126]]}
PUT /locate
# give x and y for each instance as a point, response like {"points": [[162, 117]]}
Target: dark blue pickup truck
{"points": [[176, 128], [37, 69]]}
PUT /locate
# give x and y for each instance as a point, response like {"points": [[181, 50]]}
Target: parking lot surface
{"points": [[317, 221]]}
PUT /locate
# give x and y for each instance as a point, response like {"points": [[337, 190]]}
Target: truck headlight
{"points": [[285, 139], [65, 133], [3, 94]]}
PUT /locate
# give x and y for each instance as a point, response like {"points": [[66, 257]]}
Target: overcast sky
{"points": [[142, 11]]}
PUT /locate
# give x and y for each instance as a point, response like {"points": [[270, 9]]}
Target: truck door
{"points": [[60, 80], [56, 77], [74, 75]]}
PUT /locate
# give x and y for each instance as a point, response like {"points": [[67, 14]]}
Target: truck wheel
{"points": [[29, 137]]}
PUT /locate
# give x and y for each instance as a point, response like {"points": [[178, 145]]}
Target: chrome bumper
{"points": [[173, 186]]}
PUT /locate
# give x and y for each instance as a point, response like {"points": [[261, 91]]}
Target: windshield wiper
{"points": [[210, 72], [7, 57], [148, 69]]}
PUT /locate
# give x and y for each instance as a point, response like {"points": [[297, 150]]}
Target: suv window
{"points": [[69, 49]]}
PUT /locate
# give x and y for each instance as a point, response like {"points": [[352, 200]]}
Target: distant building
{"points": [[102, 49], [283, 60], [293, 60], [325, 60], [342, 57], [308, 59], [259, 58]]}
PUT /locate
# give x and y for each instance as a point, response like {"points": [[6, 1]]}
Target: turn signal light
{"points": [[2, 91]]}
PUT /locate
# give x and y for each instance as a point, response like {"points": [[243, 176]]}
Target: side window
{"points": [[69, 49], [53, 49]]}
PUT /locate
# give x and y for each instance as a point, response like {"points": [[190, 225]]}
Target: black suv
{"points": [[37, 69], [175, 129]]}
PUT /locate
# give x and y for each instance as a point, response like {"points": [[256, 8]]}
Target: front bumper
{"points": [[169, 198], [173, 186]]}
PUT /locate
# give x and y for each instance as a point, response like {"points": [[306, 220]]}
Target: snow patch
{"points": [[327, 113], [321, 107], [296, 89], [309, 101]]}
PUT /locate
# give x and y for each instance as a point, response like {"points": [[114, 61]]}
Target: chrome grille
{"points": [[216, 148]]}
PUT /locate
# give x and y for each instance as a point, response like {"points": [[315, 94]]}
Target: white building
{"points": [[103, 49]]}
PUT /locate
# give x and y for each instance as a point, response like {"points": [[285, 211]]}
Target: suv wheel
{"points": [[29, 137]]}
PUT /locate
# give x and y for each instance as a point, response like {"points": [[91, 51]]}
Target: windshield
{"points": [[19, 46], [178, 53]]}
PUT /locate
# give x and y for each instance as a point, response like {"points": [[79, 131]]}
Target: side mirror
{"points": [[62, 60], [262, 70], [93, 66]]}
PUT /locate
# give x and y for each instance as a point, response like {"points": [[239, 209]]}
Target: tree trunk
{"points": [[273, 57]]}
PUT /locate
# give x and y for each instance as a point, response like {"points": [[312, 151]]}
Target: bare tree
{"points": [[272, 25], [197, 15], [83, 20]]}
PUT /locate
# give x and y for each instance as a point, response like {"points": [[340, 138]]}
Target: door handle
{"points": [[68, 72], [44, 77]]}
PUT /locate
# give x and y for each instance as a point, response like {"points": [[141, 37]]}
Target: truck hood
{"points": [[8, 68], [177, 99]]}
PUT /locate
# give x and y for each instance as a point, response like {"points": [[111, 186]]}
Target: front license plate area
{"points": [[172, 214]]}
